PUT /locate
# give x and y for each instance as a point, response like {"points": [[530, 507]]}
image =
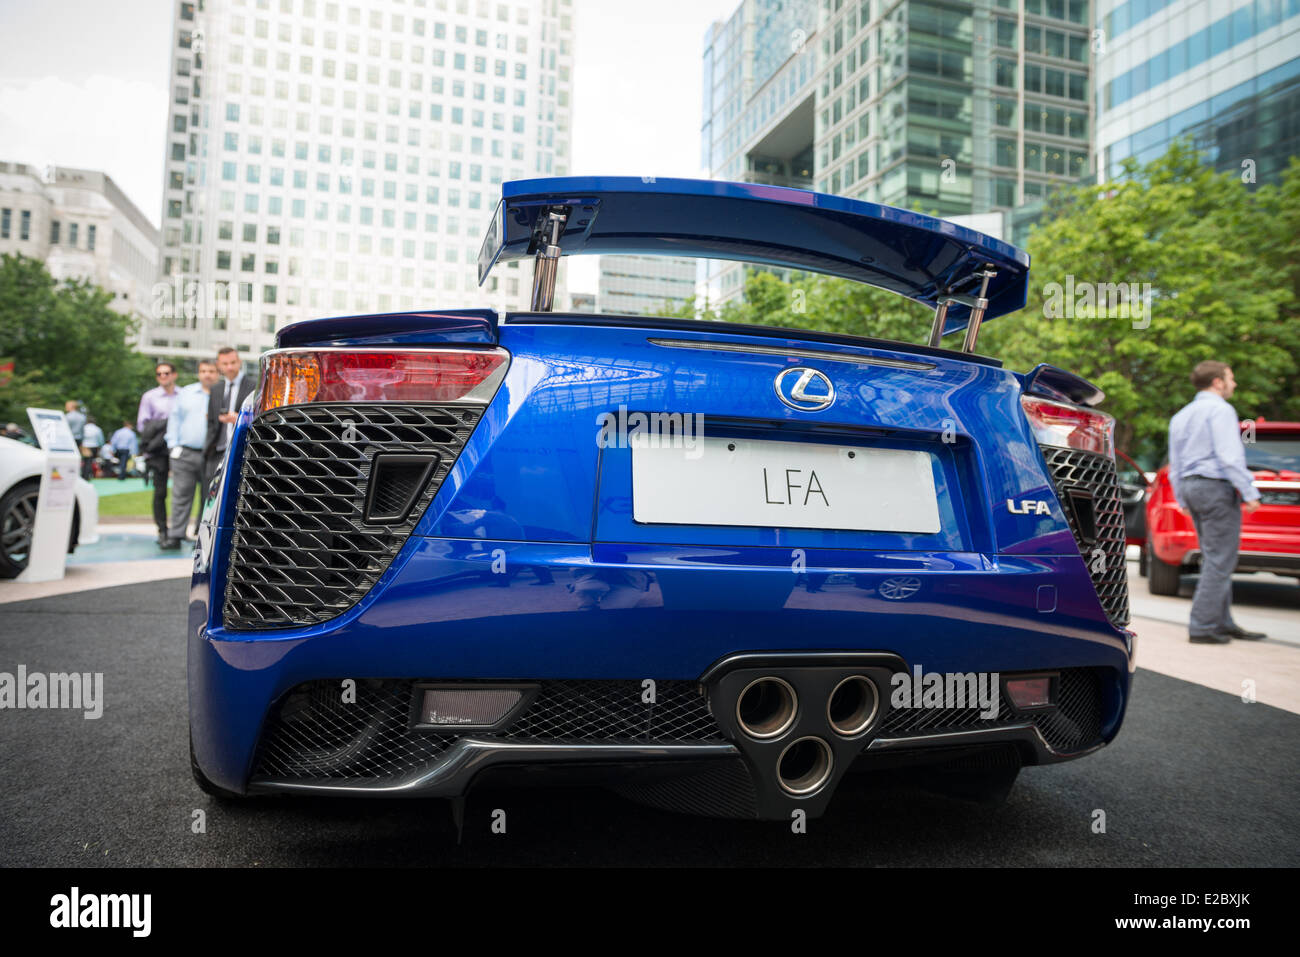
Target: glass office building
{"points": [[946, 107], [645, 285], [328, 158], [1225, 73]]}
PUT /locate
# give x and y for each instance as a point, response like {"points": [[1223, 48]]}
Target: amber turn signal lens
{"points": [[414, 375], [288, 379]]}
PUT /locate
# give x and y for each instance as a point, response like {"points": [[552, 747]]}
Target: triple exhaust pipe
{"points": [[769, 706]]}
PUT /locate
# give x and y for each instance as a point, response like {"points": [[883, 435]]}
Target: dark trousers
{"points": [[88, 465], [157, 466], [1215, 507], [123, 456]]}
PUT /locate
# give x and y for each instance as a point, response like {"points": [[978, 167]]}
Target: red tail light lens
{"points": [[1070, 427], [417, 375]]}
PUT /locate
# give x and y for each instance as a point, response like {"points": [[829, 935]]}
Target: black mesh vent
{"points": [[1089, 472], [1073, 725], [303, 551], [901, 721], [314, 734], [613, 710], [395, 483]]}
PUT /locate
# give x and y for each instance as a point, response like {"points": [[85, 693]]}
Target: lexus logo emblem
{"points": [[804, 389]]}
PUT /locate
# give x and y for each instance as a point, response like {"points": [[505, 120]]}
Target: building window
{"points": [[54, 232], [90, 238], [1005, 152], [72, 234], [1005, 73], [1006, 33], [5, 215]]}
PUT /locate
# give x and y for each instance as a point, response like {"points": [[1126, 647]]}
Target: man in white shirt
{"points": [[187, 431]]}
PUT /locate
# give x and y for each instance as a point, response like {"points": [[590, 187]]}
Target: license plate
{"points": [[785, 485]]}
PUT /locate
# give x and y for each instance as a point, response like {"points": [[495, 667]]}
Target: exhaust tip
{"points": [[852, 706], [804, 766], [766, 708]]}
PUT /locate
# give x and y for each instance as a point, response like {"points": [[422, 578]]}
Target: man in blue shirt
{"points": [[124, 444], [1207, 469], [187, 431]]}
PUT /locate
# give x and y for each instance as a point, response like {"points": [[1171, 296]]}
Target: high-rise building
{"points": [[645, 285], [946, 107], [83, 226], [1225, 73], [344, 157]]}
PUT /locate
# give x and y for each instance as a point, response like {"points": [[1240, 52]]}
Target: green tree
{"points": [[822, 304], [1221, 263], [67, 342]]}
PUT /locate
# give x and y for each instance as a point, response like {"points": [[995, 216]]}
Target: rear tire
{"points": [[1143, 562], [1163, 578]]}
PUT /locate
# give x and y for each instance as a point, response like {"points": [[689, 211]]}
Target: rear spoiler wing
{"points": [[964, 275]]}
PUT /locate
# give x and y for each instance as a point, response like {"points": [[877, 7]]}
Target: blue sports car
{"points": [[714, 567]]}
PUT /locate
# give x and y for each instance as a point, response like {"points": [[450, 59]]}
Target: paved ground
{"points": [[1267, 603], [1197, 777]]}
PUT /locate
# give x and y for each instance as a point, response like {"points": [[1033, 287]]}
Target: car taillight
{"points": [[301, 376], [1070, 427]]}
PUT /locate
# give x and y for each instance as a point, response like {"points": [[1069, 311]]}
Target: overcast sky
{"points": [[84, 83]]}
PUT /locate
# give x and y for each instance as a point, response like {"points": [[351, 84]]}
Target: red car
{"points": [[1270, 538]]}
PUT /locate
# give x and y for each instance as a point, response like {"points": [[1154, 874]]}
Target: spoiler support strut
{"points": [[978, 309], [547, 262], [978, 305]]}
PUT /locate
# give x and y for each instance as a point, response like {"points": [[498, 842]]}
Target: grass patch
{"points": [[136, 505]]}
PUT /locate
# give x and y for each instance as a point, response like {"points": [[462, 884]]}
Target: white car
{"points": [[20, 483]]}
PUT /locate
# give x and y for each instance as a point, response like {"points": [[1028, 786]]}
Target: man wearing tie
{"points": [[223, 407]]}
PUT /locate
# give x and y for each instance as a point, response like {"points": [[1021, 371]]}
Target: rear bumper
{"points": [[454, 772], [482, 610]]}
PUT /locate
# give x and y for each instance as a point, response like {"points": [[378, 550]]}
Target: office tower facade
{"points": [[645, 285], [333, 158], [944, 107], [83, 227], [1225, 73]]}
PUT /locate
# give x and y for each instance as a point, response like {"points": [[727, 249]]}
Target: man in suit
{"points": [[223, 408]]}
